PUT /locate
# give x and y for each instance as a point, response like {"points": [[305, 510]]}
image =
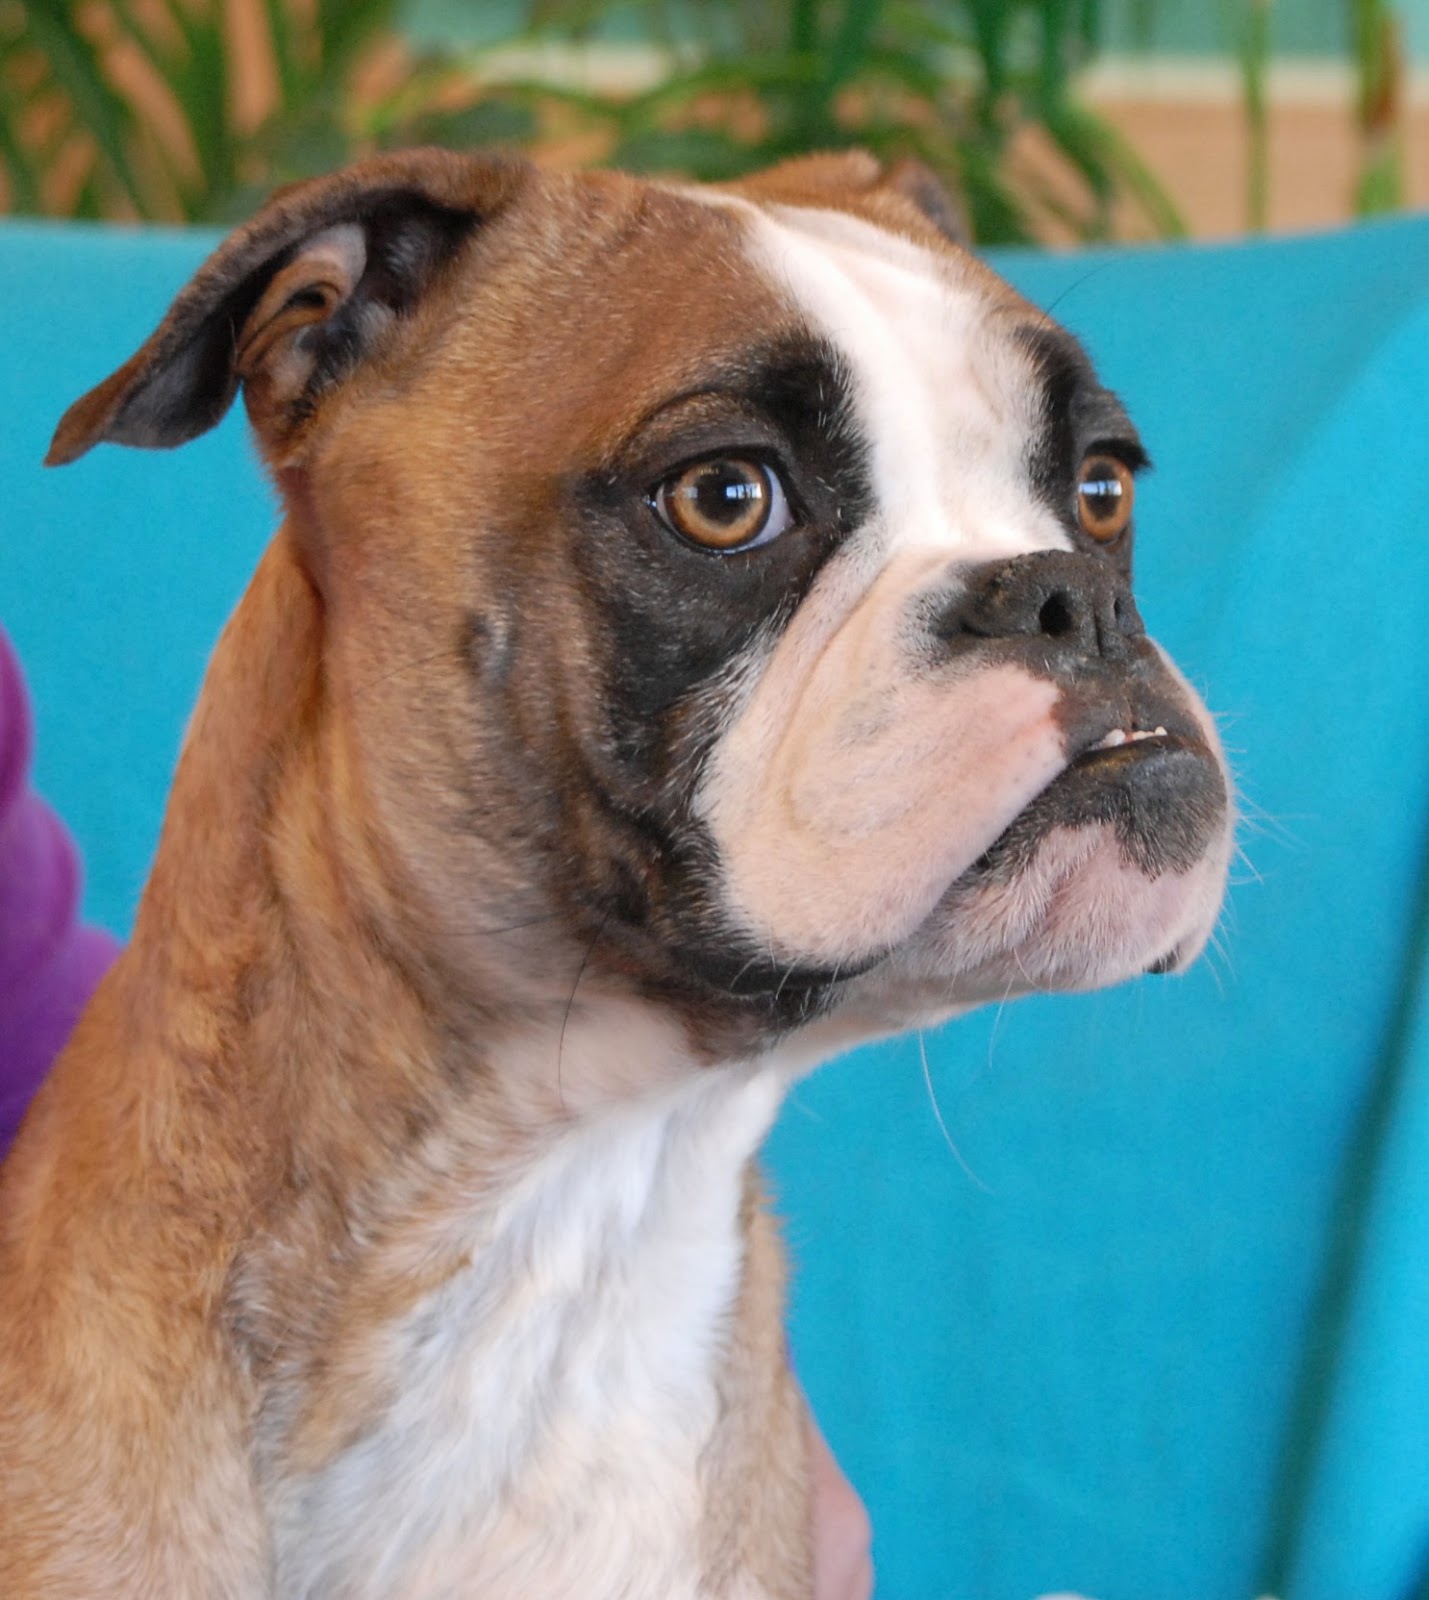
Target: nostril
{"points": [[1056, 619], [1057, 601]]}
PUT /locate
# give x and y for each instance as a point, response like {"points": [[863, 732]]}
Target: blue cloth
{"points": [[1152, 1319]]}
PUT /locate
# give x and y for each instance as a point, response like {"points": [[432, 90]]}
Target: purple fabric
{"points": [[49, 963]]}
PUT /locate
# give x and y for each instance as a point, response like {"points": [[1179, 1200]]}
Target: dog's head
{"points": [[731, 586]]}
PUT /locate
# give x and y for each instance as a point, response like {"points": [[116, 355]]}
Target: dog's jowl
{"points": [[700, 637]]}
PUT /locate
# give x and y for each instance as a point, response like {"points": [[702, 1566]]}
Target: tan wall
{"points": [[1193, 137]]}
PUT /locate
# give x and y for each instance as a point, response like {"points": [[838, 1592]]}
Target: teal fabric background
{"points": [[1151, 1320]]}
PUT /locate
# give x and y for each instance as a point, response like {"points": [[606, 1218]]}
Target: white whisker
{"points": [[938, 1114]]}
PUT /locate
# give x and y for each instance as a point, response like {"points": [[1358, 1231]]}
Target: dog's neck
{"points": [[354, 1057], [552, 1354], [556, 1213]]}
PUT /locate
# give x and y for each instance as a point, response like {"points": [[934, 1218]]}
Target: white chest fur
{"points": [[554, 1397]]}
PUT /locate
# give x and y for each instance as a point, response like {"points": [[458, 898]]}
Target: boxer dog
{"points": [[700, 637]]}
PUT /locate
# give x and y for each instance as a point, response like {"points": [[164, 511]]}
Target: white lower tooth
{"points": [[1119, 736]]}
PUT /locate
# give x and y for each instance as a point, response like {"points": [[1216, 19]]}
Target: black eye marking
{"points": [[1085, 452]]}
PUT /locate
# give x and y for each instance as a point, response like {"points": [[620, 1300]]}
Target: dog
{"points": [[700, 638]]}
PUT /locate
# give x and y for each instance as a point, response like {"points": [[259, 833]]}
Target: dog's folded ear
{"points": [[295, 299], [828, 175], [919, 183]]}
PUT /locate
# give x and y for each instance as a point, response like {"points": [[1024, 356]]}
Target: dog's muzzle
{"points": [[1138, 756]]}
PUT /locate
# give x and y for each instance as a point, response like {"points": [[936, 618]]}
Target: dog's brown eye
{"points": [[729, 504], [1105, 492]]}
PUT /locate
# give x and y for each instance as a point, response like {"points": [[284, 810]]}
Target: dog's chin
{"points": [[1116, 869]]}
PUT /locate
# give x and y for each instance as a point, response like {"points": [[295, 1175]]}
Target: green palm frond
{"points": [[132, 107]]}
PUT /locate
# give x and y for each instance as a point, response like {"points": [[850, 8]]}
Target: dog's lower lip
{"points": [[1106, 766]]}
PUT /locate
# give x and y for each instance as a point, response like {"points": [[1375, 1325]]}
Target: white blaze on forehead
{"points": [[862, 775], [946, 399]]}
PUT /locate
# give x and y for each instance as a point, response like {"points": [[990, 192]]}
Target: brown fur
{"points": [[252, 1155]]}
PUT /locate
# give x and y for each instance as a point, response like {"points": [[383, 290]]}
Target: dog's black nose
{"points": [[1075, 604]]}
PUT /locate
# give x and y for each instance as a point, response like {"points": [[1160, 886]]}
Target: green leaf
{"points": [[920, 27], [1109, 164], [103, 113], [1381, 185], [206, 104], [1056, 19], [994, 207], [171, 66], [1253, 52], [788, 76], [22, 170], [908, 70], [804, 27], [850, 46], [704, 153], [281, 31], [990, 25], [490, 121], [538, 94], [344, 27], [87, 203], [1077, 136]]}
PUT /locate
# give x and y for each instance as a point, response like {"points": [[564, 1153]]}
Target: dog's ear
{"points": [[295, 299], [920, 184], [826, 177]]}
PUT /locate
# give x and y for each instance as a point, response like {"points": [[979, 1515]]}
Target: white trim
{"points": [[590, 69]]}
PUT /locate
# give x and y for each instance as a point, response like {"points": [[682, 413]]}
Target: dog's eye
{"points": [[1105, 492], [727, 504]]}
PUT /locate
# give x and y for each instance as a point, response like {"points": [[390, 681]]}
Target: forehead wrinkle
{"points": [[945, 401]]}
